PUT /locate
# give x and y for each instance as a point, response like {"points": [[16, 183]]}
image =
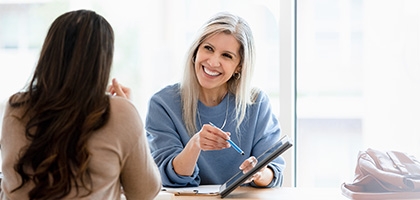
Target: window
{"points": [[358, 80]]}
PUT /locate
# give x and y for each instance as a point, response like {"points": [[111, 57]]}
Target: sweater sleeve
{"points": [[167, 137], [266, 134], [139, 169]]}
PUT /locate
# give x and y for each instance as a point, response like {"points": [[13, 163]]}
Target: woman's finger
{"points": [[119, 90], [211, 140], [248, 164]]}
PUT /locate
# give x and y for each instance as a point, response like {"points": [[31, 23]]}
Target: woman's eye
{"points": [[208, 48], [227, 55]]}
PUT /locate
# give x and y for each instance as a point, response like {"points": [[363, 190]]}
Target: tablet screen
{"points": [[269, 155]]}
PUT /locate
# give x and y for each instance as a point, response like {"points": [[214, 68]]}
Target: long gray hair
{"points": [[238, 84]]}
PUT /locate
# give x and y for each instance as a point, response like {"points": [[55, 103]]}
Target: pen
{"points": [[239, 150]]}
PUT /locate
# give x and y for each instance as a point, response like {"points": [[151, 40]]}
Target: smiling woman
{"points": [[216, 61], [188, 148]]}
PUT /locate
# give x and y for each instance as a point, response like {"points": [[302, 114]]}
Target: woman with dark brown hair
{"points": [[63, 137]]}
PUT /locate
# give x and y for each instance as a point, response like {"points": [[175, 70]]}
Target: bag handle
{"points": [[397, 162]]}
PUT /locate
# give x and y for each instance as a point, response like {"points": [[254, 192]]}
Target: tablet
{"points": [[239, 178], [269, 155]]}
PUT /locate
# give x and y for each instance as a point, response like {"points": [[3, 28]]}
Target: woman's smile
{"points": [[210, 72]]}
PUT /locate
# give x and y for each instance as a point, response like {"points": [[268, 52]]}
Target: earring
{"points": [[193, 59], [237, 75]]}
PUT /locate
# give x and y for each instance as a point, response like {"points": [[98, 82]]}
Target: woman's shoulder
{"points": [[123, 110], [258, 96], [18, 108], [168, 92], [120, 103], [124, 116], [169, 89]]}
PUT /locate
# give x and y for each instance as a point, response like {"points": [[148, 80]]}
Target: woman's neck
{"points": [[212, 98]]}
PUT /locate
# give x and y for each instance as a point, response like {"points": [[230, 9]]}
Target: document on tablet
{"points": [[239, 178]]}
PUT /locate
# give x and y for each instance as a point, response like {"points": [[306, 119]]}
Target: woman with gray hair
{"points": [[192, 125], [189, 125]]}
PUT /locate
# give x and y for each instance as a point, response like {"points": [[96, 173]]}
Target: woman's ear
{"points": [[237, 73], [238, 69]]}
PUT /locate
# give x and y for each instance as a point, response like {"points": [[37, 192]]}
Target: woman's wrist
{"points": [[266, 178]]}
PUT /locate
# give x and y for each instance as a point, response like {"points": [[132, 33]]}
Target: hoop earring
{"points": [[193, 59], [237, 75]]}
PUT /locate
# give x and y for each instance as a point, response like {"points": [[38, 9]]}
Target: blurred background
{"points": [[355, 66]]}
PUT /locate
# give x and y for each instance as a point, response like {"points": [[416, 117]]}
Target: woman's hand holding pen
{"points": [[212, 138], [208, 138], [119, 90]]}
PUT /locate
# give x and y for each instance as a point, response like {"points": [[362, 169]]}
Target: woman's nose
{"points": [[213, 61]]}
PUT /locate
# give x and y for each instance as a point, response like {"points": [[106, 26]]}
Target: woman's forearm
{"points": [[184, 163]]}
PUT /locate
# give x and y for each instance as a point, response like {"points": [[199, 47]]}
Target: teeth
{"points": [[211, 73]]}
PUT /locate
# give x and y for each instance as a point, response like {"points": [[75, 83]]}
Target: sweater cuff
{"points": [[182, 181]]}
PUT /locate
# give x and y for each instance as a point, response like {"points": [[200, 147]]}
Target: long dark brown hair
{"points": [[65, 102]]}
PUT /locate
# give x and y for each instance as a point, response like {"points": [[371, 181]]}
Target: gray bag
{"points": [[384, 175]]}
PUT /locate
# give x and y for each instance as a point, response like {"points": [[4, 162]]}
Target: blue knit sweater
{"points": [[167, 137]]}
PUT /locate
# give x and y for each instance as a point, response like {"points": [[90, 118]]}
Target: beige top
{"points": [[120, 160]]}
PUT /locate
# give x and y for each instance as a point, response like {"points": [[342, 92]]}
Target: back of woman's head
{"points": [[76, 56], [64, 103]]}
